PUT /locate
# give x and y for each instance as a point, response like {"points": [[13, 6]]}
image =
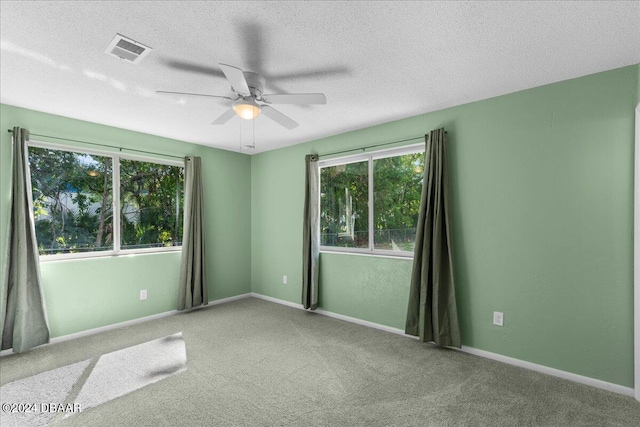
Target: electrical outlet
{"points": [[143, 294], [498, 318], [285, 280]]}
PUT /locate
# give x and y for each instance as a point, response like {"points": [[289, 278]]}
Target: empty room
{"points": [[331, 213]]}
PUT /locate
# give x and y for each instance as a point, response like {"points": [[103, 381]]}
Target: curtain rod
{"points": [[372, 146], [102, 145]]}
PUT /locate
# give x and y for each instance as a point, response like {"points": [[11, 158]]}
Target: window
{"points": [[72, 201], [151, 204], [75, 195], [344, 215], [370, 203]]}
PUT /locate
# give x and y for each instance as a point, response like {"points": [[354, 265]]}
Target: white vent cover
{"points": [[129, 50]]}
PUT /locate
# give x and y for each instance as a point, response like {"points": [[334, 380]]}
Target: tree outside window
{"points": [[73, 202], [396, 186]]}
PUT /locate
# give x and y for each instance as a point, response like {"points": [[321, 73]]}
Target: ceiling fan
{"points": [[250, 100]]}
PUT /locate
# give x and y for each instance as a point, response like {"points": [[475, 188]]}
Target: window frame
{"points": [[369, 157], [115, 204]]}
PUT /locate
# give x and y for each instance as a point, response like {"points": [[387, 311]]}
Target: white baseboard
{"points": [[132, 322], [627, 391], [277, 301], [336, 315]]}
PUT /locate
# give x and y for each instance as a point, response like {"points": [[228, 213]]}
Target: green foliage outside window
{"points": [[344, 203], [73, 202], [397, 184], [344, 213], [152, 204]]}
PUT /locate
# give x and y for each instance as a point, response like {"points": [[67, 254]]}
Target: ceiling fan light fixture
{"points": [[246, 109]]}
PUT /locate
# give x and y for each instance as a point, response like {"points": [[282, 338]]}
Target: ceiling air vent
{"points": [[129, 50]]}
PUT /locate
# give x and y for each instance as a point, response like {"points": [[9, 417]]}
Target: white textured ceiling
{"points": [[375, 61]]}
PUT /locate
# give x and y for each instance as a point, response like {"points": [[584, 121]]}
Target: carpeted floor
{"points": [[256, 363]]}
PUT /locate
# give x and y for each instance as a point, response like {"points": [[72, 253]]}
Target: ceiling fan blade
{"points": [[253, 41], [192, 67], [278, 117], [309, 74], [295, 98], [165, 92], [236, 78], [224, 117]]}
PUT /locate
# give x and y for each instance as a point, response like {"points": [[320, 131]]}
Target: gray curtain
{"points": [[192, 289], [432, 314], [311, 234], [22, 309]]}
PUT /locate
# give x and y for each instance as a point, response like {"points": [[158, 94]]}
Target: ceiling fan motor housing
{"points": [[255, 82]]}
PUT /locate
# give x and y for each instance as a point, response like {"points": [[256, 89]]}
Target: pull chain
{"points": [[253, 140]]}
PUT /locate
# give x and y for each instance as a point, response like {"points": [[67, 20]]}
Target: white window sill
{"points": [[367, 253], [108, 254]]}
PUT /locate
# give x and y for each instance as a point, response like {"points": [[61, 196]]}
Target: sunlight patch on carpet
{"points": [[22, 400], [41, 399], [124, 371]]}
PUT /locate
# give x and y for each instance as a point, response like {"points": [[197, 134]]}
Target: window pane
{"points": [[344, 212], [151, 203], [72, 201], [397, 184]]}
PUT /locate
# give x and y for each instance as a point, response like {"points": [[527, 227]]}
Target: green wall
{"points": [[85, 294], [638, 83], [542, 202]]}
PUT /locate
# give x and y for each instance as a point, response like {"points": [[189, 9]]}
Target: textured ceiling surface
{"points": [[375, 61]]}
